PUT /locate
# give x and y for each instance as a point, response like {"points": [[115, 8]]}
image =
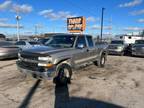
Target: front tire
{"points": [[64, 74]]}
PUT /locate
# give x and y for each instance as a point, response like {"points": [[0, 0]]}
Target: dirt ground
{"points": [[119, 85]]}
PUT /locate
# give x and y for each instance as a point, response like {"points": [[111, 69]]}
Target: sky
{"points": [[120, 16]]}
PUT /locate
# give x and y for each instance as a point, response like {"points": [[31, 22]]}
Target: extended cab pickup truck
{"points": [[62, 54]]}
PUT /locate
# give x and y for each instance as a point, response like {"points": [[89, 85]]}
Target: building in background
{"points": [[2, 37], [130, 38]]}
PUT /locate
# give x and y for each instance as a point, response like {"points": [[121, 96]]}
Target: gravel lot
{"points": [[119, 85]]}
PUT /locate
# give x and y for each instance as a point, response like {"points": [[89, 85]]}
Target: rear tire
{"points": [[101, 63], [64, 74]]}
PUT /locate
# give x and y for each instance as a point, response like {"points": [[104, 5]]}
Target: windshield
{"points": [[117, 42], [139, 42], [61, 41]]}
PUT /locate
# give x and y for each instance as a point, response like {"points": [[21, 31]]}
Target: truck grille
{"points": [[28, 56], [112, 47], [30, 66]]}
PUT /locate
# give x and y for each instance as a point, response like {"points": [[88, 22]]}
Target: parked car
{"points": [[138, 48], [8, 50], [117, 47], [27, 44], [62, 55]]}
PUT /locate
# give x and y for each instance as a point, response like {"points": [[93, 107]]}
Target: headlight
{"points": [[120, 47], [45, 58]]}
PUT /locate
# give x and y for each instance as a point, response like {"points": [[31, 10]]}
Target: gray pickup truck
{"points": [[61, 56], [116, 47], [138, 48]]}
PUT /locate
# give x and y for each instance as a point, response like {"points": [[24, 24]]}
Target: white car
{"points": [[27, 44]]}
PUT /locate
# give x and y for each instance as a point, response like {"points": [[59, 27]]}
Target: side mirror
{"points": [[80, 46]]}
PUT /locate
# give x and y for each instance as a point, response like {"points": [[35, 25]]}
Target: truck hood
{"points": [[44, 50], [114, 46]]}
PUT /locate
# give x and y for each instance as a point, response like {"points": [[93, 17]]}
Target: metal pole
{"points": [[18, 33], [17, 29], [102, 22]]}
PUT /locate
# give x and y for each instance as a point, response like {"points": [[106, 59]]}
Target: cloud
{"points": [[21, 8], [131, 4], [91, 19], [140, 12], [4, 25], [55, 15], [5, 5], [97, 27], [133, 29], [140, 20], [3, 19], [107, 33], [38, 25], [10, 6]]}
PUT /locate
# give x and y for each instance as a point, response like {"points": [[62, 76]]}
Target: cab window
{"points": [[90, 41], [81, 40]]}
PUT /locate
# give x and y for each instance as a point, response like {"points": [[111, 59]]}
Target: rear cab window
{"points": [[90, 41], [81, 40]]}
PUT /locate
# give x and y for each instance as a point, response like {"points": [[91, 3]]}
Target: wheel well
{"points": [[66, 61], [104, 53]]}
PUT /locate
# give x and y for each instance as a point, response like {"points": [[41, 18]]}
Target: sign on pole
{"points": [[76, 24]]}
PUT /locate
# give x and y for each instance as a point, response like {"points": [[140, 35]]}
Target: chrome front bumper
{"points": [[49, 74]]}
